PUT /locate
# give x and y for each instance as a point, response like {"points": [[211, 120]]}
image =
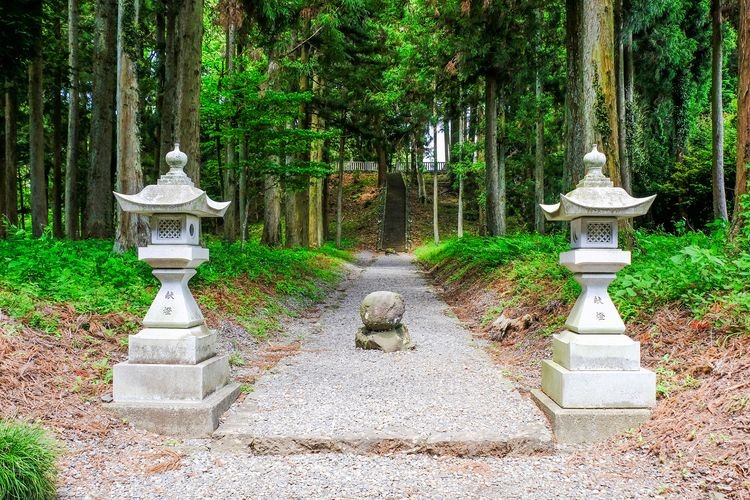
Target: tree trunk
{"points": [[743, 111], [435, 227], [131, 228], [11, 165], [501, 156], [717, 115], [490, 157], [243, 204], [627, 175], [230, 172], [39, 214], [271, 211], [621, 37], [71, 164], [167, 99], [57, 149], [382, 164], [340, 191], [189, 24], [315, 190], [461, 133], [539, 158], [591, 98], [575, 115], [98, 216]]}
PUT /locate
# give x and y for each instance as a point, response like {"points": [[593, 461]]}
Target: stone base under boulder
{"points": [[397, 339]]}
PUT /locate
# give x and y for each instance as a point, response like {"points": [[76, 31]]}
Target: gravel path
{"points": [[446, 393], [444, 398]]}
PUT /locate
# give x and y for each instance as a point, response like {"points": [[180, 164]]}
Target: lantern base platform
{"points": [[184, 419], [599, 388], [142, 382], [584, 425]]}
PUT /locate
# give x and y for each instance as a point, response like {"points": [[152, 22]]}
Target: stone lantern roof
{"points": [[174, 192], [596, 196]]}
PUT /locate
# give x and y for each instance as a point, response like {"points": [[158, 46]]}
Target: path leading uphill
{"points": [[334, 421], [394, 222]]}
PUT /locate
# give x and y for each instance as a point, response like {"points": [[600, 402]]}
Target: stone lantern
{"points": [[594, 385], [173, 381]]}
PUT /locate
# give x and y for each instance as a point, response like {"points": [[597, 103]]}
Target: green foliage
{"points": [[89, 277], [27, 462], [694, 269]]}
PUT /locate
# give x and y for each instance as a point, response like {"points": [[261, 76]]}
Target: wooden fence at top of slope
{"points": [[372, 166]]}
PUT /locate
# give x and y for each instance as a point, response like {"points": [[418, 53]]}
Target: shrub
{"points": [[27, 461]]}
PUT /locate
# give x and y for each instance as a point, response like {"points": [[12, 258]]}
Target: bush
{"points": [[27, 462]]}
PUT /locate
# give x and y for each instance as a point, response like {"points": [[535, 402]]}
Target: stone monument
{"points": [[173, 381], [594, 385], [381, 313]]}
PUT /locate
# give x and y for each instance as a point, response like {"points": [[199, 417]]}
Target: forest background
{"points": [[268, 97]]}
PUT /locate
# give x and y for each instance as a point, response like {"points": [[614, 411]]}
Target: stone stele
{"points": [[382, 310]]}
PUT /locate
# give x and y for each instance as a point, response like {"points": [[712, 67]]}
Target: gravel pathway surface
{"points": [[388, 425], [446, 393]]}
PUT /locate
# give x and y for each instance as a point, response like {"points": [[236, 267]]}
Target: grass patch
{"points": [[27, 462]]}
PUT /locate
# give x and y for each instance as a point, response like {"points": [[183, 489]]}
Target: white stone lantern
{"points": [[173, 381], [594, 386]]}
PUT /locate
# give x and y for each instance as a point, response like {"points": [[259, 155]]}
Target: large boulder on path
{"points": [[381, 311], [396, 339]]}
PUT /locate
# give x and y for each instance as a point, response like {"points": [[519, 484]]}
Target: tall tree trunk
{"points": [[39, 216], [189, 28], [461, 138], [243, 204], [131, 228], [71, 163], [11, 165], [435, 227], [340, 191], [620, 39], [57, 149], [57, 146], [3, 184], [490, 157], [539, 158], [501, 157], [717, 115], [271, 211], [575, 115], [627, 176], [98, 216], [315, 189], [591, 98], [743, 111], [167, 98], [382, 162], [230, 172]]}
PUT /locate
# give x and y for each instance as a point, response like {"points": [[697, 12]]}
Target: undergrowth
{"points": [[27, 462], [697, 270], [89, 278]]}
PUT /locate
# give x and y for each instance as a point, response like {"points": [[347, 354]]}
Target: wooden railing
{"points": [[372, 166]]}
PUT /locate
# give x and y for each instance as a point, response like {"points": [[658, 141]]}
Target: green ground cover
{"points": [[697, 270], [89, 278]]}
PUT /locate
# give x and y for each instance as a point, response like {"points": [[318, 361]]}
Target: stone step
{"points": [[376, 444]]}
